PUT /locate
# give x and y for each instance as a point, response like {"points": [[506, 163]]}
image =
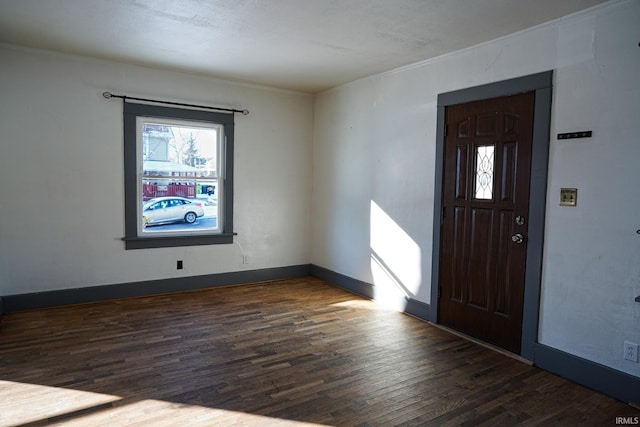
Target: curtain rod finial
{"points": [[245, 112], [107, 95]]}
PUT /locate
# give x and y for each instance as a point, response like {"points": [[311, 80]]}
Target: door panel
{"points": [[486, 187], [480, 246]]}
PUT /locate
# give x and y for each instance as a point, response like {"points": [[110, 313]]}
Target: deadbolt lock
{"points": [[520, 220]]}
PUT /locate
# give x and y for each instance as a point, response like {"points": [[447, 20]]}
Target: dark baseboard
{"points": [[146, 288], [614, 383], [418, 309], [408, 305], [600, 378], [348, 283]]}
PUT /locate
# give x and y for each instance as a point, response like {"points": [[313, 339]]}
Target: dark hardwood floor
{"points": [[290, 352]]}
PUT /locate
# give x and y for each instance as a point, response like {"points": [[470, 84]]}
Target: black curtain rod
{"points": [[108, 95]]}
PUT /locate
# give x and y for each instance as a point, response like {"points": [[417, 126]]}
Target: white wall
{"points": [[61, 198], [61, 169], [374, 157]]}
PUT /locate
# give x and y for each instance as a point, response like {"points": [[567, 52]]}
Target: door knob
{"points": [[517, 238]]}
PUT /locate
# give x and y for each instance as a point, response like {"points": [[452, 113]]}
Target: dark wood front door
{"points": [[487, 169]]}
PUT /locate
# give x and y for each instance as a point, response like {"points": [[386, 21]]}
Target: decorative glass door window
{"points": [[485, 166]]}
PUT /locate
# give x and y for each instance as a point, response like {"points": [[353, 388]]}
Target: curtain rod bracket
{"points": [[108, 95]]}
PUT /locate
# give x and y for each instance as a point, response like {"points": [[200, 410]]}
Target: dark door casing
{"points": [[485, 201]]}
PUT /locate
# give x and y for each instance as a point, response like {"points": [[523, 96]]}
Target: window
{"points": [[178, 176], [484, 172]]}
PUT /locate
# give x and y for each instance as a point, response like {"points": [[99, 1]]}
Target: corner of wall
{"points": [[407, 305]]}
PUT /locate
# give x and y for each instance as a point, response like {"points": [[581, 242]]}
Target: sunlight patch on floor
{"points": [[367, 305], [22, 403]]}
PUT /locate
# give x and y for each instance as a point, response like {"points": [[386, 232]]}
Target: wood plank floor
{"points": [[292, 352]]}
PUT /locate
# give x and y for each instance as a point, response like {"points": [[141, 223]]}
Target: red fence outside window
{"points": [[149, 191]]}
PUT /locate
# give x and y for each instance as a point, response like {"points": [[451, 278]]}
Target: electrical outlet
{"points": [[179, 264], [245, 259], [631, 351]]}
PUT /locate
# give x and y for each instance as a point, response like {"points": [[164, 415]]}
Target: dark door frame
{"points": [[541, 84]]}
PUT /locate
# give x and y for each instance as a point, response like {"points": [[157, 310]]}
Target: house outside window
{"points": [[178, 176]]}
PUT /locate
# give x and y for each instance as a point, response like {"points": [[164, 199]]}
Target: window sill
{"points": [[175, 241]]}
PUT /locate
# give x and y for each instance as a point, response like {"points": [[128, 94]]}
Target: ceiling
{"points": [[302, 45]]}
